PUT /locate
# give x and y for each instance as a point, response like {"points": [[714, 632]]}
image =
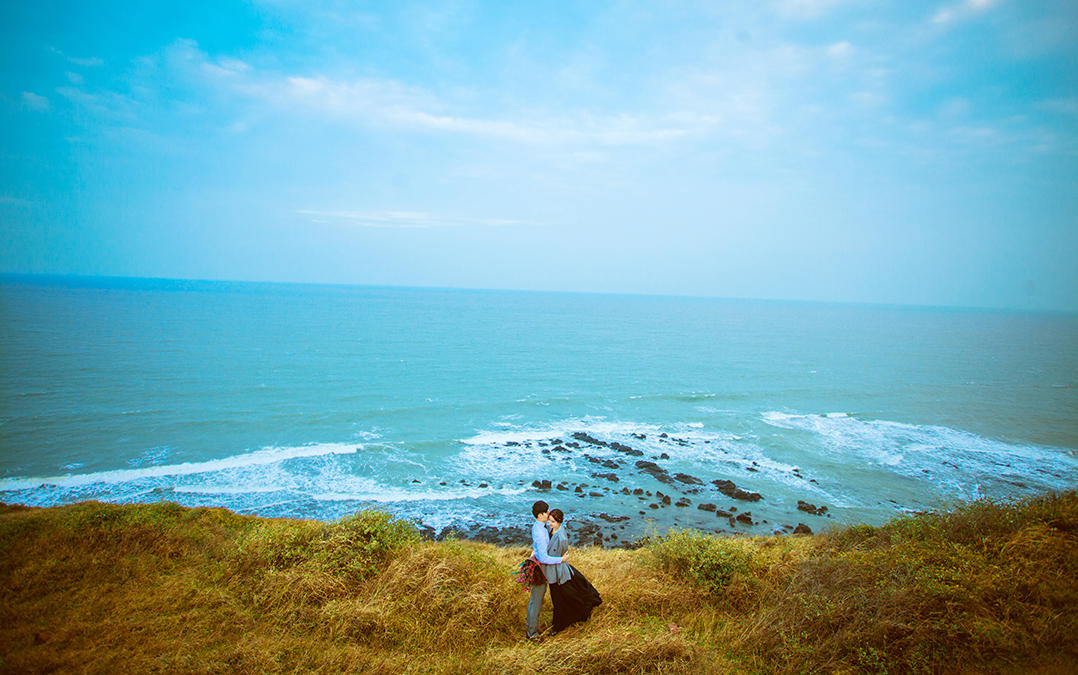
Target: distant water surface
{"points": [[445, 405]]}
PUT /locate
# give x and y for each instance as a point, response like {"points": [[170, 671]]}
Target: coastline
{"points": [[100, 587]]}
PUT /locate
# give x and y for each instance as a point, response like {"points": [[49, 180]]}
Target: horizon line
{"points": [[340, 284]]}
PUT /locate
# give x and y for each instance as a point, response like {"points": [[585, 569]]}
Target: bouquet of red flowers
{"points": [[530, 573]]}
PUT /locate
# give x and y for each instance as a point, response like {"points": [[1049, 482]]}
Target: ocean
{"points": [[448, 406]]}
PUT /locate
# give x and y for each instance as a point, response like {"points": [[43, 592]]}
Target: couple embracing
{"points": [[573, 596]]}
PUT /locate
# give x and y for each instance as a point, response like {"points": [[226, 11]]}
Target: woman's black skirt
{"points": [[573, 600]]}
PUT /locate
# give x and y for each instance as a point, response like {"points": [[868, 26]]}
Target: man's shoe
{"points": [[536, 639]]}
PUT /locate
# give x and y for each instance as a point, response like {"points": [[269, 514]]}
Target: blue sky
{"points": [[896, 152]]}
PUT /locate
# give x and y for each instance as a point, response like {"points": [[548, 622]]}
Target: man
{"points": [[540, 541]]}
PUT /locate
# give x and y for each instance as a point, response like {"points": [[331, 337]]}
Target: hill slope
{"points": [[105, 588]]}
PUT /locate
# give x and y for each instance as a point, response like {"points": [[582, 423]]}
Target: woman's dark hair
{"points": [[557, 515], [539, 507]]}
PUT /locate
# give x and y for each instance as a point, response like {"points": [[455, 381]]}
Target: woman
{"points": [[573, 596]]}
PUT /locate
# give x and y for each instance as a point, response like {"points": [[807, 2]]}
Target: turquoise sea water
{"points": [[445, 405]]}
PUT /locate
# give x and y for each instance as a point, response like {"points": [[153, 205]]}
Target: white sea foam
{"points": [[690, 447], [203, 489], [959, 462], [386, 494], [263, 457]]}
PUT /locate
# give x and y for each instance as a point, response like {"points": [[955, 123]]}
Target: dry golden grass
{"points": [[102, 588]]}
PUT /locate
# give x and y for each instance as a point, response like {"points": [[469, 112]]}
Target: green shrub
{"points": [[358, 546], [712, 562]]}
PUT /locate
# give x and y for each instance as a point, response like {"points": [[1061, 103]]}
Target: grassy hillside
{"points": [[102, 588]]}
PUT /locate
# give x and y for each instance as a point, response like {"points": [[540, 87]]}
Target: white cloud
{"points": [[91, 62], [1059, 106], [389, 102], [962, 10], [402, 219], [806, 9], [106, 103], [35, 101], [840, 50]]}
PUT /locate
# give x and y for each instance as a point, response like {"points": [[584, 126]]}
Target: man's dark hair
{"points": [[539, 507]]}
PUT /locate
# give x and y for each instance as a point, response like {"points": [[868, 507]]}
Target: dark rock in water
{"points": [[593, 460], [586, 532], [572, 444], [512, 536], [663, 435], [563, 486], [733, 509], [612, 477], [745, 517], [414, 480], [686, 478], [655, 470], [546, 451], [578, 489], [665, 500], [707, 507], [640, 436], [511, 443], [638, 491], [653, 506], [626, 449], [556, 441], [560, 448], [728, 488], [442, 483], [683, 502], [483, 485], [586, 438], [541, 484], [751, 468], [664, 456], [612, 519], [811, 508], [802, 529], [611, 464], [595, 494], [724, 514], [625, 491]]}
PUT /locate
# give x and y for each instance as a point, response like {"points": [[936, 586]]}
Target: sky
{"points": [[840, 150]]}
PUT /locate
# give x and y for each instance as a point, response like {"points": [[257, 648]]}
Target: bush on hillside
{"points": [[712, 562]]}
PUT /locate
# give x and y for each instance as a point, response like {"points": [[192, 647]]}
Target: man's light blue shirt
{"points": [[540, 541]]}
